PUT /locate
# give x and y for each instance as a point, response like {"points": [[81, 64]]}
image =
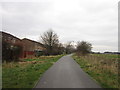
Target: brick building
{"points": [[10, 39], [11, 47], [30, 48]]}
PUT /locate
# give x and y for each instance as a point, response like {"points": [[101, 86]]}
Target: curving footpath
{"points": [[66, 73]]}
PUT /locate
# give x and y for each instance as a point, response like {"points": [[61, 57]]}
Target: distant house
{"points": [[10, 39], [29, 48], [32, 48], [11, 46]]}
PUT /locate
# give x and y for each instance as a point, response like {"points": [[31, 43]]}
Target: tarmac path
{"points": [[66, 73]]}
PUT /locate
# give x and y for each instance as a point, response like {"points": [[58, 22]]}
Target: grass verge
{"points": [[25, 74], [102, 68]]}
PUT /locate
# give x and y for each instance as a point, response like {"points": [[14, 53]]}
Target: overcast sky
{"points": [[95, 21]]}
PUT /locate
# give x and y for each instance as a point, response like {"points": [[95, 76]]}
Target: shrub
{"points": [[84, 48], [10, 52]]}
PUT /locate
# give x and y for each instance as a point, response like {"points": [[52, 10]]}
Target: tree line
{"points": [[50, 41], [53, 47]]}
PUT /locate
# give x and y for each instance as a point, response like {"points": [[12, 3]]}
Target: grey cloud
{"points": [[73, 20]]}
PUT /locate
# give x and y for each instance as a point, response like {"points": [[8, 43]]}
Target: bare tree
{"points": [[50, 40], [69, 48], [84, 48], [58, 49]]}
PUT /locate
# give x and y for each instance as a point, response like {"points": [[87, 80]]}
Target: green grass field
{"points": [[26, 74], [101, 67]]}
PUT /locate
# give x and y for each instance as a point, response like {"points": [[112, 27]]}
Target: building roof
{"points": [[1, 32], [9, 35], [33, 41]]}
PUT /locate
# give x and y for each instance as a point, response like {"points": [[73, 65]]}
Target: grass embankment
{"points": [[25, 74], [102, 67]]}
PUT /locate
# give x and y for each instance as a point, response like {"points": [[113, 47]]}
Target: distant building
{"points": [[31, 48], [11, 47], [11, 39]]}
